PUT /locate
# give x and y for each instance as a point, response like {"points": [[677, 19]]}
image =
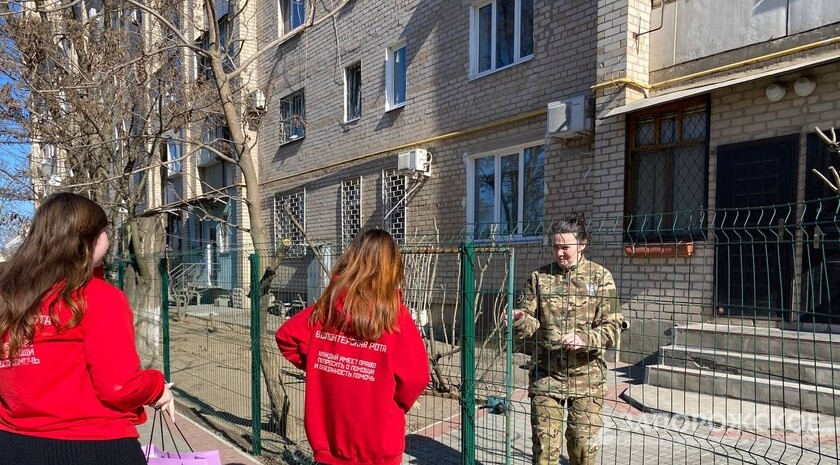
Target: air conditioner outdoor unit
{"points": [[256, 100], [415, 161], [570, 118]]}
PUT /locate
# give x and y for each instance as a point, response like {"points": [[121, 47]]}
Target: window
{"points": [[292, 15], [667, 166], [227, 46], [393, 204], [49, 161], [139, 184], [215, 135], [395, 72], [351, 208], [353, 92], [174, 228], [289, 217], [227, 43], [505, 192], [501, 34], [224, 238], [292, 117], [174, 153]]}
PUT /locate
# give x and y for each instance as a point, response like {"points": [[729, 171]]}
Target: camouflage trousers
{"points": [[583, 417]]}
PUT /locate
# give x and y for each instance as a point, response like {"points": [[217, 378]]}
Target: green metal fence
{"points": [[730, 354]]}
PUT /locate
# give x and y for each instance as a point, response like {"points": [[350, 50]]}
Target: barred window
{"points": [[667, 170], [292, 117], [393, 204], [290, 208], [351, 208]]}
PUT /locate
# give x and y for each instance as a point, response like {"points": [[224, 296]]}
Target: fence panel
{"points": [[729, 355]]}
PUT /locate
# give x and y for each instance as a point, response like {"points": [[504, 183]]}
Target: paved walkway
{"points": [[197, 436], [757, 435]]}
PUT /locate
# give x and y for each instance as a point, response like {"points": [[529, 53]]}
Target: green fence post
{"points": [[509, 362], [468, 355], [121, 273], [256, 388], [164, 316]]}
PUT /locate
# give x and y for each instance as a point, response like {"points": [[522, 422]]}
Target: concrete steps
{"points": [[759, 340], [784, 393], [727, 412], [770, 366], [816, 372]]}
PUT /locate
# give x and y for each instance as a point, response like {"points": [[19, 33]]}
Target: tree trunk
{"points": [[143, 286], [270, 361]]}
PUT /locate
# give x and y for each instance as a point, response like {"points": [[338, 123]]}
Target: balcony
{"points": [[207, 158]]}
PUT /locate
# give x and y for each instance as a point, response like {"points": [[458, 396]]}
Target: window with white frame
{"points": [[393, 204], [49, 161], [224, 238], [395, 77], [289, 218], [505, 192], [174, 153], [351, 208], [501, 34], [292, 15], [353, 92], [292, 117]]}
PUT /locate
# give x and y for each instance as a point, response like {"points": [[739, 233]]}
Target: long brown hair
{"points": [[55, 259], [365, 283]]}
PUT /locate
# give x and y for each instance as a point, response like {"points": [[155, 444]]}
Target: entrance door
{"points": [[754, 225], [820, 297]]}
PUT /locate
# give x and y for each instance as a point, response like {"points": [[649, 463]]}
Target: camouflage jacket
{"points": [[580, 299]]}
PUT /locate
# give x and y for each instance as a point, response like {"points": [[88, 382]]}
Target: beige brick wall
{"points": [[441, 100], [681, 290], [446, 112]]}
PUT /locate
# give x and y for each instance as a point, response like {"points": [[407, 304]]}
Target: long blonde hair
{"points": [[362, 299], [55, 260]]}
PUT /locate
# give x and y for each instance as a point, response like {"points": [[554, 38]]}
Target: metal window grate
{"points": [[668, 171], [393, 204], [284, 228], [351, 208], [293, 117]]}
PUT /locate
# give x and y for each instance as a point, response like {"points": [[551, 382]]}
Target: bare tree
{"points": [[834, 147], [97, 86]]}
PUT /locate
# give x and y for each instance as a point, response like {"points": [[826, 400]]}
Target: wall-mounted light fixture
{"points": [[804, 86], [775, 92]]}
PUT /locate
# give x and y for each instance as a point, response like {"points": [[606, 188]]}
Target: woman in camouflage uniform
{"points": [[571, 310]]}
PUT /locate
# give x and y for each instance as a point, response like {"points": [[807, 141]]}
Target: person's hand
{"points": [[571, 341], [517, 315], [166, 402]]}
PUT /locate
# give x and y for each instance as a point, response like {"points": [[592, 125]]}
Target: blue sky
{"points": [[13, 157]]}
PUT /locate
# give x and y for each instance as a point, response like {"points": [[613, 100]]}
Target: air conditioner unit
{"points": [[256, 100], [570, 118], [415, 161]]}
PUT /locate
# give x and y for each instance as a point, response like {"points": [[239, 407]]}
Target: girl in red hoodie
{"points": [[71, 386], [364, 359]]}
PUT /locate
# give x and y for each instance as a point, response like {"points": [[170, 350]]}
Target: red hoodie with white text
{"points": [[357, 392], [83, 383]]}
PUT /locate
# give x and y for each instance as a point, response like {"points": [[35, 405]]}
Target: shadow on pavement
{"points": [[426, 451]]}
